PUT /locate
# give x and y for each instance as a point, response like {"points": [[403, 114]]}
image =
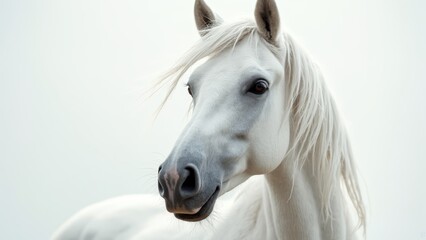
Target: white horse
{"points": [[260, 107]]}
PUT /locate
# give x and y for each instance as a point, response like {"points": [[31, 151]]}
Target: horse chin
{"points": [[204, 211]]}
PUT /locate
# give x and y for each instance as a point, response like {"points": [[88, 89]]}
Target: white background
{"points": [[76, 124]]}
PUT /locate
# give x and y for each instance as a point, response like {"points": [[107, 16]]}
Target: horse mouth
{"points": [[204, 211]]}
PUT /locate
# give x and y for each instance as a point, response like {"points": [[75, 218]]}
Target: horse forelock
{"points": [[214, 41]]}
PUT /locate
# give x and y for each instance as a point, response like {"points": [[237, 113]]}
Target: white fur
{"points": [[297, 142]]}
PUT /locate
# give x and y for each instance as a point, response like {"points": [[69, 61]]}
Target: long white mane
{"points": [[318, 134]]}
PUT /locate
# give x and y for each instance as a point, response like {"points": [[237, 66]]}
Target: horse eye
{"points": [[259, 87], [189, 90]]}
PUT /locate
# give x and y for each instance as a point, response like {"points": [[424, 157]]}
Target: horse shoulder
{"points": [[116, 218]]}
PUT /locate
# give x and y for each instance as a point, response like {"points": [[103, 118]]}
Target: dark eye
{"points": [[189, 90], [259, 87]]}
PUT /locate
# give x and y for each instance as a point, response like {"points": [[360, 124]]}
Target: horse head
{"points": [[239, 126]]}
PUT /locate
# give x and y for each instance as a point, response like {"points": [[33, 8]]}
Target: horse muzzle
{"points": [[187, 194]]}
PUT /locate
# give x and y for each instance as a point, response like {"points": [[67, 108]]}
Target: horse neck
{"points": [[292, 205]]}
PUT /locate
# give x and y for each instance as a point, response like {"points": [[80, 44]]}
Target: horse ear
{"points": [[204, 16], [267, 19]]}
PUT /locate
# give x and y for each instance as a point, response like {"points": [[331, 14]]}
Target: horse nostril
{"points": [[191, 182], [160, 186], [160, 189]]}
